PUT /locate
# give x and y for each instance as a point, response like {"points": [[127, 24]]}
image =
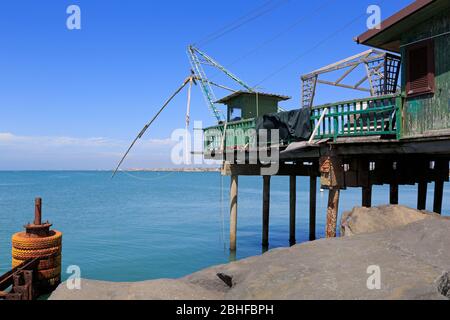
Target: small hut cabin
{"points": [[243, 108], [244, 105]]}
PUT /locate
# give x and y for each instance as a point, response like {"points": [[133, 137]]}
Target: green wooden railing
{"points": [[240, 135], [379, 116]]}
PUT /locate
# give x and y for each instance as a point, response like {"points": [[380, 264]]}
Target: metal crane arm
{"points": [[197, 58], [208, 92], [221, 68]]}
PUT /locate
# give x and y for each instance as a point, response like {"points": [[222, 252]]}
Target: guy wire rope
{"points": [[278, 35], [282, 32], [311, 49], [230, 24], [252, 16]]}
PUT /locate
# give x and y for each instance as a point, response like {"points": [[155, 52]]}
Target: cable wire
{"points": [[251, 17], [282, 32], [212, 34], [332, 35], [279, 34], [222, 214]]}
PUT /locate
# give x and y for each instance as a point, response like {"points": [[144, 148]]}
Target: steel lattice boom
{"points": [[198, 59]]}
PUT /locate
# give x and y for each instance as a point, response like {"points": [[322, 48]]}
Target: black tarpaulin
{"points": [[293, 125]]}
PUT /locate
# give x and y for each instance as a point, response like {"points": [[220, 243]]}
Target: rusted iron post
{"points": [[393, 194], [422, 195], [38, 211], [233, 211], [312, 207], [37, 228], [367, 196], [292, 208], [266, 210], [332, 212], [438, 196]]}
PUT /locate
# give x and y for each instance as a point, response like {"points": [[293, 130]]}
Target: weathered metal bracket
{"points": [[22, 280]]}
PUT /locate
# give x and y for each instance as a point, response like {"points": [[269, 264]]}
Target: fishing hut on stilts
{"points": [[398, 135]]}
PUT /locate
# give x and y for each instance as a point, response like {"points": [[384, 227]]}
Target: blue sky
{"points": [[75, 99]]}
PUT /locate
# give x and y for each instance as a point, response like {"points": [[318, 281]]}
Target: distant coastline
{"points": [[125, 170], [174, 170]]}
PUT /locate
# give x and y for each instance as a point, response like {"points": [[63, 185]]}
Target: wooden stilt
{"points": [[332, 212], [312, 207], [233, 211], [367, 196], [266, 210], [393, 195], [422, 195], [292, 208], [438, 195], [232, 257]]}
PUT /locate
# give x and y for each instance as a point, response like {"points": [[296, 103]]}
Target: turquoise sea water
{"points": [[146, 225]]}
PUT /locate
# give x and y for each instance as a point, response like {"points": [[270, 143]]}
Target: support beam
{"points": [[332, 212], [266, 210], [233, 211], [367, 196], [438, 196], [348, 62], [343, 85], [312, 207], [393, 194], [422, 195], [292, 208], [255, 170]]}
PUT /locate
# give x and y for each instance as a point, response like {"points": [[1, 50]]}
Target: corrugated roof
{"points": [[260, 94]]}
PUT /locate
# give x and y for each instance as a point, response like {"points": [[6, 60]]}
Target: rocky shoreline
{"points": [[409, 248]]}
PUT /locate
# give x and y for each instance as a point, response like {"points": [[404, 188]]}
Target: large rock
{"points": [[164, 289], [367, 220], [414, 261]]}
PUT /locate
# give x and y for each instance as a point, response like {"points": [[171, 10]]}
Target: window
{"points": [[235, 114], [420, 73]]}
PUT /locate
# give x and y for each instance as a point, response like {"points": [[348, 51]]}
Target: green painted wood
{"points": [[253, 106], [366, 117], [238, 134], [360, 117], [429, 113]]}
